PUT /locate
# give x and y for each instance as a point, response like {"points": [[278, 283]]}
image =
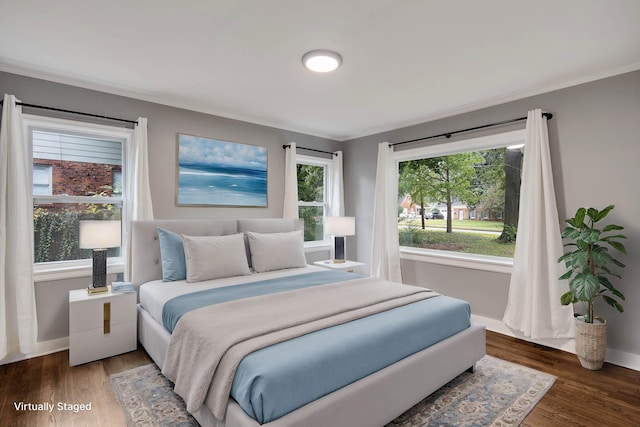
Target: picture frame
{"points": [[214, 172]]}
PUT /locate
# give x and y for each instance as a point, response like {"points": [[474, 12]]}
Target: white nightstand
{"points": [[347, 265], [101, 325]]}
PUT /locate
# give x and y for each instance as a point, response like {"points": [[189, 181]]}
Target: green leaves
{"points": [[613, 303], [568, 298], [616, 245], [585, 286], [578, 220], [590, 236], [589, 262], [595, 215], [571, 233], [612, 227]]}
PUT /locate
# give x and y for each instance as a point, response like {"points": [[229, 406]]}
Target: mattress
{"points": [[278, 379]]}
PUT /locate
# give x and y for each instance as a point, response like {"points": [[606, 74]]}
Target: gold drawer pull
{"points": [[107, 318]]}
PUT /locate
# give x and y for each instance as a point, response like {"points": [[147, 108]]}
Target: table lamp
{"points": [[99, 235], [339, 227]]}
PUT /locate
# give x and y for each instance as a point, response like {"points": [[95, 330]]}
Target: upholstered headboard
{"points": [[145, 246]]}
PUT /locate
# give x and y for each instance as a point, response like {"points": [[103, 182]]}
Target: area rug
{"points": [[499, 393]]}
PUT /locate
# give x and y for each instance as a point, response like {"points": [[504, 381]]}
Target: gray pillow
{"points": [[214, 257], [276, 251]]}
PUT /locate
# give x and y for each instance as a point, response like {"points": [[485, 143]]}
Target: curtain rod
{"points": [[135, 122], [312, 149], [448, 135]]}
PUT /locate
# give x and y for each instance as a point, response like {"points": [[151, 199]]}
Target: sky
{"points": [[212, 151]]}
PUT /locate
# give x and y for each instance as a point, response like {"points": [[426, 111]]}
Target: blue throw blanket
{"points": [[279, 379], [173, 309]]}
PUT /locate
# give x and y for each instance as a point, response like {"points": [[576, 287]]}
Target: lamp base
{"points": [[338, 250], [99, 269], [99, 290]]}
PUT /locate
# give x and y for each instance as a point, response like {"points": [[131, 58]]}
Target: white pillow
{"points": [[214, 257], [275, 251]]}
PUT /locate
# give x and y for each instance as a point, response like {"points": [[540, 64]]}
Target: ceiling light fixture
{"points": [[321, 61]]}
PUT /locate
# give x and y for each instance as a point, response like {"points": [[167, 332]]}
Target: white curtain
{"points": [[385, 250], [336, 186], [534, 305], [18, 321], [290, 208], [138, 192]]}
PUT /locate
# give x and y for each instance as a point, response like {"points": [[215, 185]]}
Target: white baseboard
{"points": [[616, 357], [42, 348]]}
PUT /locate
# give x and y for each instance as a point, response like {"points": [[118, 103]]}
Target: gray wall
{"points": [[163, 126], [595, 148]]}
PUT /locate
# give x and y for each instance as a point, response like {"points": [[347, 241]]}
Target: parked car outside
{"points": [[428, 215], [436, 214]]}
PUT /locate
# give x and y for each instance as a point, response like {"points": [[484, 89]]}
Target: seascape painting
{"points": [[220, 173]]}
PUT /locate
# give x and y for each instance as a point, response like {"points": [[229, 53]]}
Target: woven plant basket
{"points": [[591, 343]]}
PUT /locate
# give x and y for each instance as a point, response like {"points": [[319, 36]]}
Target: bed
{"points": [[355, 351]]}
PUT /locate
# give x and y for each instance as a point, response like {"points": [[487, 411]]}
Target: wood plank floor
{"points": [[609, 397]]}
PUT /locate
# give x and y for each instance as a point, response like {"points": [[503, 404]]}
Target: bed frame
{"points": [[372, 401]]}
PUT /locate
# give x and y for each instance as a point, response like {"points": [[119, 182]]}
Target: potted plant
{"points": [[589, 268]]}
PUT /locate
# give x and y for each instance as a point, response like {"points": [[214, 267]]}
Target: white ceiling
{"points": [[405, 61]]}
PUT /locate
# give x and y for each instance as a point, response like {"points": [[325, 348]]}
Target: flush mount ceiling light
{"points": [[321, 61]]}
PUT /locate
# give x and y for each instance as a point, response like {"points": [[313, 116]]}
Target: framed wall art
{"points": [[212, 172]]}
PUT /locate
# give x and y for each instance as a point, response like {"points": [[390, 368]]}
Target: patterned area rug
{"points": [[499, 393]]}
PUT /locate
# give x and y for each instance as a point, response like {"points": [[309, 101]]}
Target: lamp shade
{"points": [[95, 234], [340, 226]]}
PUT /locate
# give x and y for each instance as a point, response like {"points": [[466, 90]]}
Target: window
{"points": [[469, 191], [77, 175], [312, 195], [116, 182], [41, 180]]}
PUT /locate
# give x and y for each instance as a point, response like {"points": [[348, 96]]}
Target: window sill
{"points": [[316, 246], [47, 272], [455, 259]]}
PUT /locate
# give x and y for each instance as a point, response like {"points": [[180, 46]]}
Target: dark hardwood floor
{"points": [[579, 397]]}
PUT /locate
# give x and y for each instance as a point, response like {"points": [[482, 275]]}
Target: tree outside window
{"points": [[312, 178], [462, 202]]}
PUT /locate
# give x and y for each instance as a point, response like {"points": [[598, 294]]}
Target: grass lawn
{"points": [[475, 243], [456, 224]]}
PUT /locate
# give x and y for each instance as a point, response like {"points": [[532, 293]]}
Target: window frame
{"points": [[450, 258], [57, 270], [327, 164]]}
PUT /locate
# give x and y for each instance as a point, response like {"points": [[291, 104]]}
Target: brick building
{"points": [[75, 165]]}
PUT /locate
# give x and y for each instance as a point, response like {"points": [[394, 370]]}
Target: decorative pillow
{"points": [[275, 251], [172, 256], [214, 257]]}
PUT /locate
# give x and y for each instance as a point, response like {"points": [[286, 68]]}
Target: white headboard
{"points": [[145, 246]]}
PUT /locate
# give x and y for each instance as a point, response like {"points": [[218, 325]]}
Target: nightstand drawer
{"points": [[87, 346], [90, 314]]}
